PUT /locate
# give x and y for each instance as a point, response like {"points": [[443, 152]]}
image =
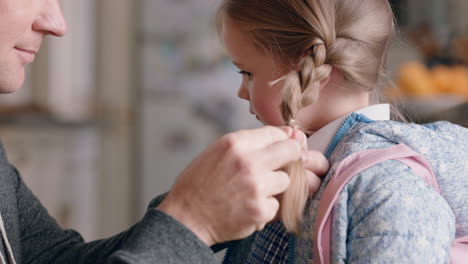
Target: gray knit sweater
{"points": [[35, 237]]}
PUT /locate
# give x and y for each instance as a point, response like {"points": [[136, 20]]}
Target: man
{"points": [[227, 193]]}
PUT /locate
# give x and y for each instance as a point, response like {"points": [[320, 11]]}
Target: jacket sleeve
{"points": [[161, 239], [157, 238], [394, 217]]}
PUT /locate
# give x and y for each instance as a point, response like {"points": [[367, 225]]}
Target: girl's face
{"points": [[258, 70], [23, 25]]}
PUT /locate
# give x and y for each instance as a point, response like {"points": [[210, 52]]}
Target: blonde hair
{"points": [[313, 37]]}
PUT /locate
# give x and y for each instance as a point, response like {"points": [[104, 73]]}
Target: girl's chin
{"points": [[266, 123]]}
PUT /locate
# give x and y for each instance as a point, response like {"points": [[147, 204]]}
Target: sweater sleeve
{"points": [[157, 238], [394, 217]]}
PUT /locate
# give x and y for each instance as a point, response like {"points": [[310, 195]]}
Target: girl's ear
{"points": [[324, 82], [334, 73]]}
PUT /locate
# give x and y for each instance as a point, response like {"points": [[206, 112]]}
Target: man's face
{"points": [[23, 26]]}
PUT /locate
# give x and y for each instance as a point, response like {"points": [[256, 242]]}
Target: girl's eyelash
{"points": [[245, 73]]}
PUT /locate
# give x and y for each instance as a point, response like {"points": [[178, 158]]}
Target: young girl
{"points": [[316, 64]]}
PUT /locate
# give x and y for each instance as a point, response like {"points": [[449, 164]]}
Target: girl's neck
{"points": [[333, 103]]}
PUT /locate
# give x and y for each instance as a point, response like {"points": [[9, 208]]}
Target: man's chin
{"points": [[11, 84]]}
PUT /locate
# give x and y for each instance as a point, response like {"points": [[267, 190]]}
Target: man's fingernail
{"points": [[288, 131], [299, 136]]}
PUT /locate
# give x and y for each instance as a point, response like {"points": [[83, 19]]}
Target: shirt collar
{"points": [[320, 140]]}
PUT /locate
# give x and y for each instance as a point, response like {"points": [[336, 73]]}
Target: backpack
{"points": [[353, 165]]}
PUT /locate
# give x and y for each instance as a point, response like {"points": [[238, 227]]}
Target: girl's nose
{"points": [[243, 93], [51, 20]]}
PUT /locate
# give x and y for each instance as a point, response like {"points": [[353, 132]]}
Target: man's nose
{"points": [[51, 20]]}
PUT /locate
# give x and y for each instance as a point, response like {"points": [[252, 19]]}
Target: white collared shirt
{"points": [[320, 140]]}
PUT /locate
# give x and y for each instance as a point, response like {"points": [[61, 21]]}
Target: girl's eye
{"points": [[248, 74]]}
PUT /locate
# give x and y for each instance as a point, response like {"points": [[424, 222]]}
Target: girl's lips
{"points": [[251, 112]]}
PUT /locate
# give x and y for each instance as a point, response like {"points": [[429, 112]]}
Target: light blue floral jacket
{"points": [[386, 214]]}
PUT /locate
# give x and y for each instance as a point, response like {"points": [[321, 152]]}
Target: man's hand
{"points": [[229, 191]]}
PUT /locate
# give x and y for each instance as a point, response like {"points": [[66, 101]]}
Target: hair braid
{"points": [[301, 88]]}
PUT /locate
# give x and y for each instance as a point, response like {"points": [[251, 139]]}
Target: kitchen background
{"points": [[111, 113]]}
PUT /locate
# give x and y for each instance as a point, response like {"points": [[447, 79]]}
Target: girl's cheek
{"points": [[271, 115], [277, 119], [266, 103]]}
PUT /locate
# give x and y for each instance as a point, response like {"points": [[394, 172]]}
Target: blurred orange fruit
{"points": [[417, 80]]}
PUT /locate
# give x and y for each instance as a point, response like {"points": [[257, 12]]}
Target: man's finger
{"points": [[278, 155], [315, 162], [288, 130], [260, 138], [313, 182], [300, 137], [273, 208], [276, 183]]}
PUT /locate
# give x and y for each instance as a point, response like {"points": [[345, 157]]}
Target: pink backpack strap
{"points": [[349, 167], [459, 252]]}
